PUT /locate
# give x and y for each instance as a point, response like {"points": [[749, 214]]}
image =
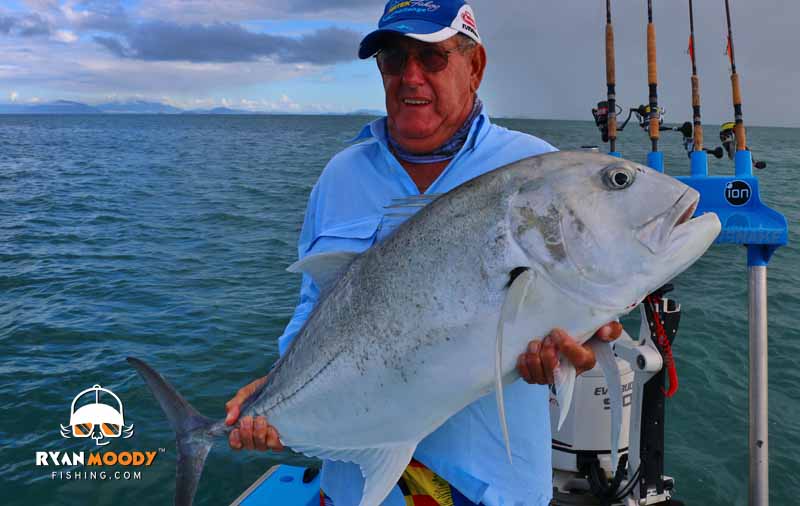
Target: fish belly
{"points": [[392, 394]]}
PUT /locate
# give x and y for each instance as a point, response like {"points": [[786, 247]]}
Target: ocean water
{"points": [[167, 238]]}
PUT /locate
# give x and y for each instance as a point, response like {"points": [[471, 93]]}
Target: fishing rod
{"points": [[739, 132], [654, 158], [611, 82], [693, 137], [734, 132], [698, 127]]}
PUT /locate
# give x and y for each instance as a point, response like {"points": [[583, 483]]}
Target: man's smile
{"points": [[416, 101]]}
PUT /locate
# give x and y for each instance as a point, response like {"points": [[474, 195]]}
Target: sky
{"points": [[546, 57]]}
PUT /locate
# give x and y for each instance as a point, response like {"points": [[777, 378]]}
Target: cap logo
{"points": [[416, 5], [468, 19]]}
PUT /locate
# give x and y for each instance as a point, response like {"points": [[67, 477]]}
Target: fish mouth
{"points": [[655, 235], [690, 206]]}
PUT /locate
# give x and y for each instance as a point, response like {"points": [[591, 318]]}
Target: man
{"points": [[435, 137]]}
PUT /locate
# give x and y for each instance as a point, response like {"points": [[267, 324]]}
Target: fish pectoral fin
{"points": [[608, 362], [324, 268], [381, 467], [516, 299]]}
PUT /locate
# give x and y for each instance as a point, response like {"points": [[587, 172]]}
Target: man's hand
{"points": [[252, 434], [539, 361]]}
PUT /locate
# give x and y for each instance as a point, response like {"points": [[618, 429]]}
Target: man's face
{"points": [[426, 108]]}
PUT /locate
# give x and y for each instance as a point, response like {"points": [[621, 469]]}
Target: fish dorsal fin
{"points": [[608, 363], [381, 467], [517, 298], [324, 268]]}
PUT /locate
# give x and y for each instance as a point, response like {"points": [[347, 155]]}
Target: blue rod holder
{"points": [[743, 162], [759, 254], [699, 163], [655, 160], [615, 153]]}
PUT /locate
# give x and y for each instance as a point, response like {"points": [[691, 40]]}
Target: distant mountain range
{"points": [[132, 107]]}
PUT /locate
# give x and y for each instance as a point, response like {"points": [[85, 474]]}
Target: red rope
{"points": [[666, 347]]}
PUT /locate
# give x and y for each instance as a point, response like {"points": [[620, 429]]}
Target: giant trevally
{"points": [[434, 317]]}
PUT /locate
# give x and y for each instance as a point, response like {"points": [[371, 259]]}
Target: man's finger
{"points": [[234, 441], [609, 332], [246, 432], [233, 413], [273, 441], [533, 361], [549, 357], [260, 434], [580, 356], [522, 369]]}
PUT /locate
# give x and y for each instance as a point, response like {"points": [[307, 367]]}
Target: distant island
{"points": [[143, 107]]}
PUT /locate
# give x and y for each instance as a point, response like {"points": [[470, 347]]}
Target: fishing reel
{"points": [[600, 114], [643, 116], [727, 135], [687, 131]]}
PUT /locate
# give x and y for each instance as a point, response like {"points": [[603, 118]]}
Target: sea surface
{"points": [[167, 238]]}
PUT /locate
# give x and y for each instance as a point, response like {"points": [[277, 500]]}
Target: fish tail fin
{"points": [[565, 385], [192, 436]]}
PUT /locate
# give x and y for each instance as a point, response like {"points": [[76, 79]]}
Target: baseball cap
{"points": [[425, 20]]}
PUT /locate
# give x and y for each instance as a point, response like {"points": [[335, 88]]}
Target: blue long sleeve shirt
{"points": [[346, 212]]}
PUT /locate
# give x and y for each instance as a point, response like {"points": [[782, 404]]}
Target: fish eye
{"points": [[618, 177]]}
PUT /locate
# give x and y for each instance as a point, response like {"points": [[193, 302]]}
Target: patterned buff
{"points": [[447, 150]]}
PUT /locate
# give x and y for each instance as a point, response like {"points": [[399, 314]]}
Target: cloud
{"points": [[65, 36], [33, 25], [105, 15], [7, 23], [298, 6], [112, 44], [209, 11], [228, 42], [29, 25]]}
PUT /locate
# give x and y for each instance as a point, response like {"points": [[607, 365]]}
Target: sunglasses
{"points": [[86, 429], [392, 61]]}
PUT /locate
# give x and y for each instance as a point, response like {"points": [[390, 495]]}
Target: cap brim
{"points": [[416, 29]]}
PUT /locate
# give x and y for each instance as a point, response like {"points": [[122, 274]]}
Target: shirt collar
{"points": [[377, 129]]}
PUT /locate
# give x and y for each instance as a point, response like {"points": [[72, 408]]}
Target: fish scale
{"points": [[430, 320]]}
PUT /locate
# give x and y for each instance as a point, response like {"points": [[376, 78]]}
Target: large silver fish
{"points": [[434, 317]]}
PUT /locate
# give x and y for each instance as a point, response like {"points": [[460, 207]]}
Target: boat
{"points": [[283, 485]]}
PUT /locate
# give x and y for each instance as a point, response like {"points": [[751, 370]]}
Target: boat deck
{"points": [[284, 486]]}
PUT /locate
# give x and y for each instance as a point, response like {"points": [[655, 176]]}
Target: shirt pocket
{"points": [[356, 236]]}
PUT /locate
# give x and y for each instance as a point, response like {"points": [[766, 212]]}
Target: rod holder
{"points": [[743, 163], [699, 163], [655, 160]]}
